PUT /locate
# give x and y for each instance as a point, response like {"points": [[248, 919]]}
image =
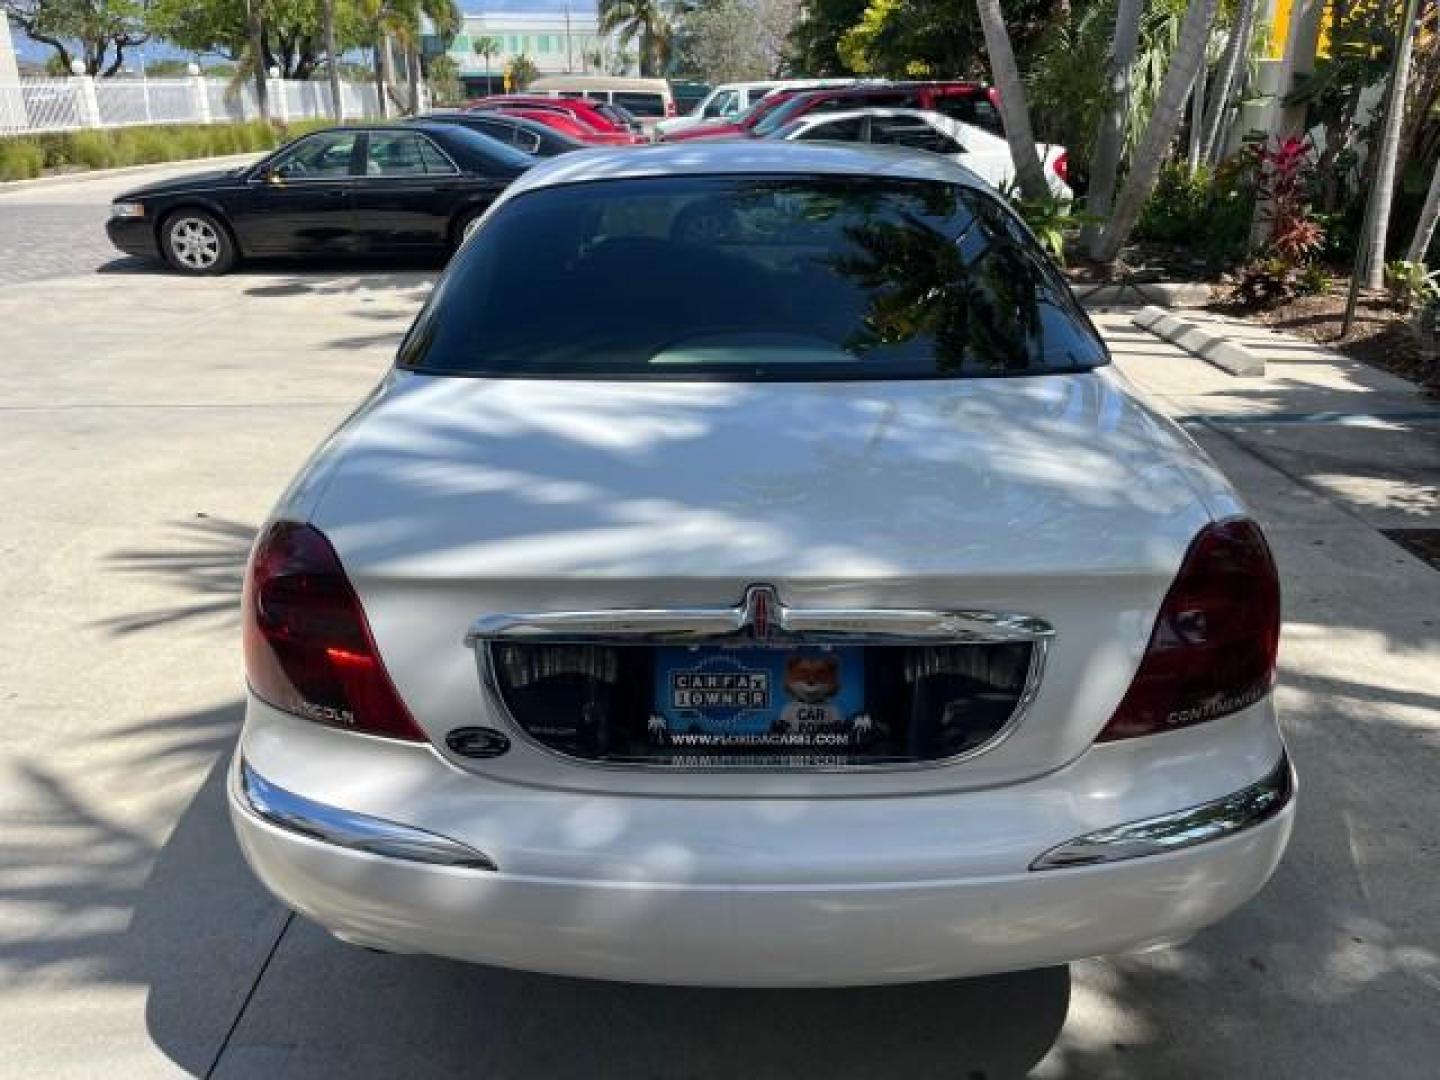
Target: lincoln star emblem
{"points": [[762, 612]]}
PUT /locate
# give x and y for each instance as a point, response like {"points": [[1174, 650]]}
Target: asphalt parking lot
{"points": [[149, 422]]}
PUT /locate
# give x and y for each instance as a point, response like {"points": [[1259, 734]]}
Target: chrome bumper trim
{"points": [[346, 829], [1214, 820]]}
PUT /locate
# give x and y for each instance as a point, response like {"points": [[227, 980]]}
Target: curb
{"points": [[1201, 341], [1165, 294], [10, 186]]}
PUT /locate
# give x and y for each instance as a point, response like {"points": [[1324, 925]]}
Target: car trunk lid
{"points": [[1058, 499]]}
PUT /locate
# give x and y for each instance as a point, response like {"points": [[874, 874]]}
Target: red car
{"points": [[592, 115], [565, 123], [741, 125], [969, 102]]}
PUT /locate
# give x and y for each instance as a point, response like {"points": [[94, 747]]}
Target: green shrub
{"points": [[1209, 212], [93, 149], [1177, 205], [20, 159]]}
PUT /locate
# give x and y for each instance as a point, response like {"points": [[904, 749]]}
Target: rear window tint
{"points": [[970, 109], [640, 104], [752, 278], [835, 130]]}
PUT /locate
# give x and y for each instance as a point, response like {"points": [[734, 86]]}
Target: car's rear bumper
{"points": [[133, 236], [650, 890]]}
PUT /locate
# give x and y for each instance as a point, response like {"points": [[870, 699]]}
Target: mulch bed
{"points": [[1380, 335], [1150, 262]]}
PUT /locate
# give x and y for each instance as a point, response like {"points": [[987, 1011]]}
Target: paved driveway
{"points": [[149, 421], [57, 227]]}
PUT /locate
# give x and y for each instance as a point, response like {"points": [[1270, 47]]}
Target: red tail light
{"points": [[1061, 165], [308, 648], [1212, 651]]}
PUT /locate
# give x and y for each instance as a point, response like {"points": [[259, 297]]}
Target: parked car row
{"points": [[418, 186]]}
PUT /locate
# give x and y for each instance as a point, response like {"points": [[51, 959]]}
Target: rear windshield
{"points": [[752, 278], [639, 103]]}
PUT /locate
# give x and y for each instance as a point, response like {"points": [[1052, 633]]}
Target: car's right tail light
{"points": [[1212, 650], [1061, 166], [308, 646]]}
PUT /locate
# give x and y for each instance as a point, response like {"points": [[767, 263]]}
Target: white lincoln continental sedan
{"points": [[753, 573]]}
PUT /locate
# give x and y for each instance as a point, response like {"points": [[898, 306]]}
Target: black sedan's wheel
{"points": [[195, 242]]}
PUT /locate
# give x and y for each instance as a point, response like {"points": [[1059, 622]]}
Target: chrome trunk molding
{"points": [[759, 619], [346, 829], [762, 619], [1201, 824]]}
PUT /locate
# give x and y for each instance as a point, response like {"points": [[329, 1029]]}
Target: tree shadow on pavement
{"points": [[206, 560]]}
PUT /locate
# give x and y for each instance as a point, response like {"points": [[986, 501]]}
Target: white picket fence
{"points": [[36, 105]]}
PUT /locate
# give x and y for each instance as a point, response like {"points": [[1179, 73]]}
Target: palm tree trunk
{"points": [[387, 67], [332, 53], [412, 72], [1160, 132], [1110, 141], [1371, 267], [256, 31], [1425, 227], [1013, 110], [1197, 121], [1212, 141], [382, 77]]}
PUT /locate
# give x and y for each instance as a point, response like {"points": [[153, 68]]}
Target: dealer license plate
{"points": [[711, 700]]}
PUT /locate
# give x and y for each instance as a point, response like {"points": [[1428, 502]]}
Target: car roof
{"points": [[409, 124], [739, 157]]}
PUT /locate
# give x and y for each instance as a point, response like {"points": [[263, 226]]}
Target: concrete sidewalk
{"points": [[149, 423]]}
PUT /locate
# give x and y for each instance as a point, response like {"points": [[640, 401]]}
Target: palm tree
{"points": [[1425, 227], [255, 29], [485, 47], [1236, 48], [1160, 131], [399, 20], [1371, 264], [1013, 110], [1110, 140], [645, 19], [332, 54]]}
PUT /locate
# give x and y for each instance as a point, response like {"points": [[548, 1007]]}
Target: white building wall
{"points": [[555, 43]]}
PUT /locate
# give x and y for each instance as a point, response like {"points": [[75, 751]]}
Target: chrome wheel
{"points": [[195, 243]]}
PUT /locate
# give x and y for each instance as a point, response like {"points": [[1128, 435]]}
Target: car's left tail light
{"points": [[1213, 646], [308, 646]]}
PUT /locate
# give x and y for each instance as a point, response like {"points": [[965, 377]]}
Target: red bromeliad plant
{"points": [[1285, 174], [1278, 272]]}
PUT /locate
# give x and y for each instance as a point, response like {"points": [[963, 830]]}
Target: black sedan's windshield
{"points": [[752, 277]]}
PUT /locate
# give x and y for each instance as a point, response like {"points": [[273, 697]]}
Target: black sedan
{"points": [[389, 188], [526, 135]]}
